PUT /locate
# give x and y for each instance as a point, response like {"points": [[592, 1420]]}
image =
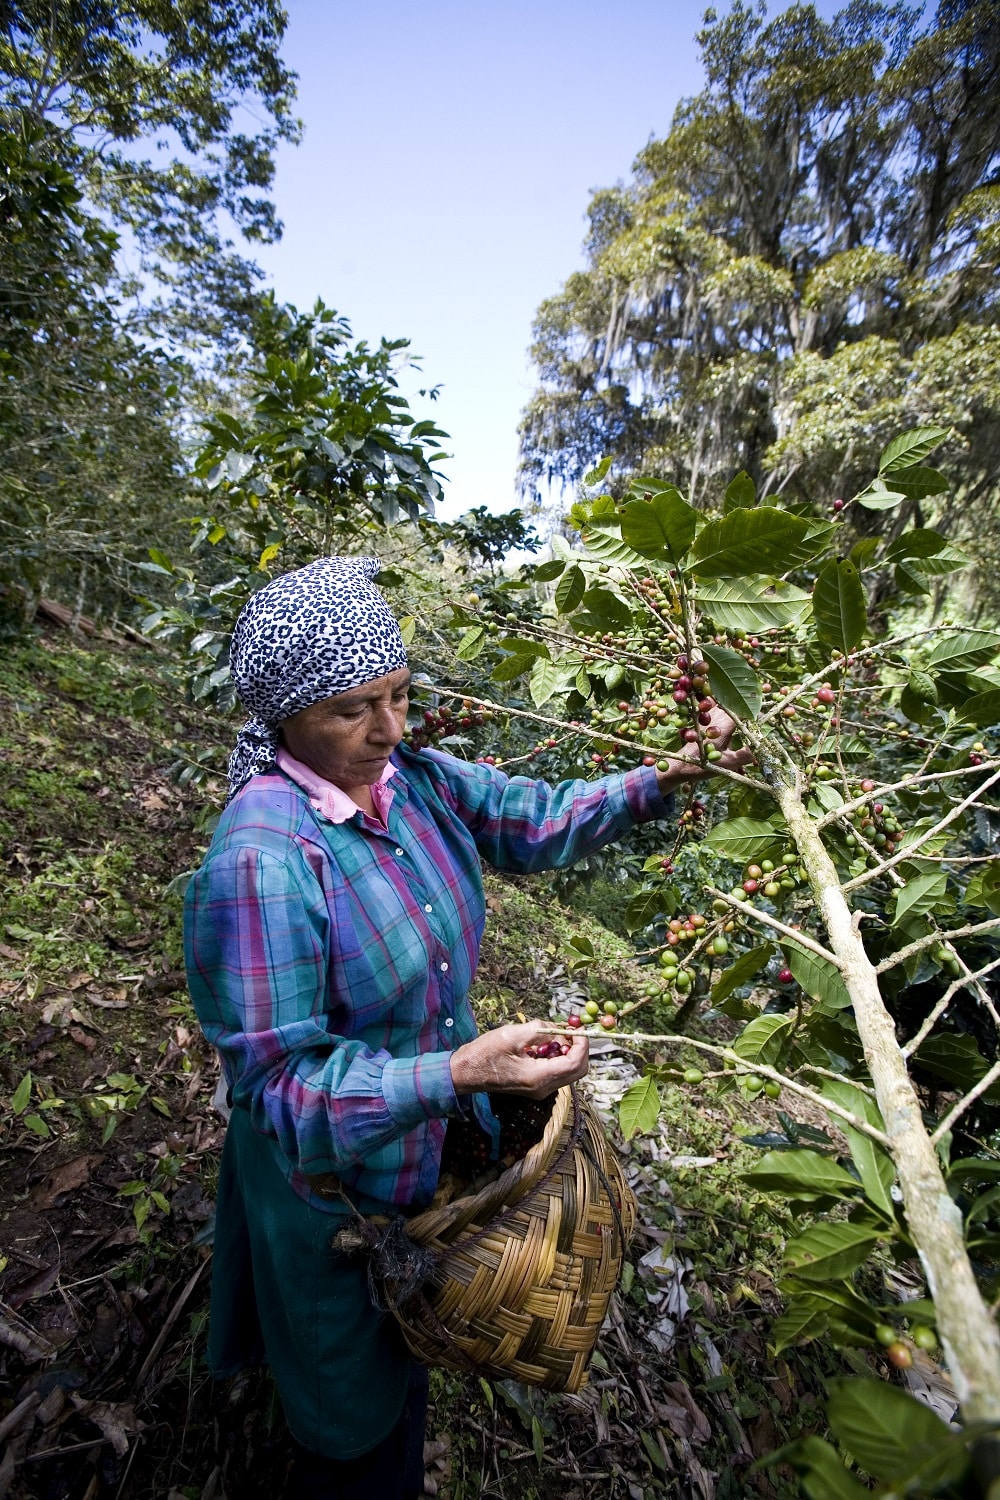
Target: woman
{"points": [[331, 940]]}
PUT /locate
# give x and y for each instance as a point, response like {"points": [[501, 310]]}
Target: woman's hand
{"points": [[686, 764], [499, 1063]]}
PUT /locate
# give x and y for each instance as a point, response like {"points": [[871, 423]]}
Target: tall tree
{"points": [[112, 79], [125, 169], [804, 263]]}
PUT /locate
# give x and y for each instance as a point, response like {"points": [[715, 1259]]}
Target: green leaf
{"points": [[803, 1320], [735, 684], [910, 448], [570, 589], [863, 551], [746, 967], [160, 558], [751, 542], [875, 1165], [663, 526], [37, 1125], [752, 604], [745, 839], [653, 1451], [472, 643], [545, 680], [922, 686], [407, 629], [890, 1434], [920, 895], [818, 977], [965, 650], [522, 647], [918, 542], [22, 1095], [958, 1061], [984, 887], [852, 1319], [829, 1252], [546, 571], [880, 498], [982, 709], [801, 1171], [605, 542], [762, 1039], [823, 1475], [594, 476], [639, 1108], [608, 608], [839, 606], [741, 493], [512, 667], [917, 482], [642, 908]]}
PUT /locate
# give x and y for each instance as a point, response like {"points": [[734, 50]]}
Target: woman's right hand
{"points": [[498, 1062]]}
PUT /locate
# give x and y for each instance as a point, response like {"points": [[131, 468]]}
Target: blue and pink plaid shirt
{"points": [[330, 961]]}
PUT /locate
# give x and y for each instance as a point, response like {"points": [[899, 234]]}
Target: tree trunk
{"points": [[968, 1330]]}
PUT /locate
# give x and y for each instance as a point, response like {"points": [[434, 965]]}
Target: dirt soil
{"points": [[110, 1149]]}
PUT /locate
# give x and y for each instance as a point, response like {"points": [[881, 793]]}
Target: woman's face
{"points": [[348, 738]]}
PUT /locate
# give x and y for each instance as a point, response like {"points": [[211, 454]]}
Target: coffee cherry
{"points": [[592, 1010], [753, 1083], [693, 1075], [825, 695], [609, 1023], [785, 976], [885, 1333], [772, 1089], [753, 872], [772, 889], [750, 886], [610, 1008], [574, 1021], [924, 1338], [900, 1356], [720, 946]]}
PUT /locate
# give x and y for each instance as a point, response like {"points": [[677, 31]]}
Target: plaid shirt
{"points": [[330, 963]]}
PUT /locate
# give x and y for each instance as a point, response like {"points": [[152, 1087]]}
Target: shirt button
{"points": [[428, 907], [399, 851], [449, 1022], [444, 968]]}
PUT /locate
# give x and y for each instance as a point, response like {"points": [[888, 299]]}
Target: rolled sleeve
{"points": [[418, 1089]]}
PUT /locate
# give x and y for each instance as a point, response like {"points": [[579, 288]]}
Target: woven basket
{"points": [[525, 1268]]}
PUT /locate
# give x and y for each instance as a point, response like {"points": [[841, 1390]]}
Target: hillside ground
{"points": [[110, 1148]]}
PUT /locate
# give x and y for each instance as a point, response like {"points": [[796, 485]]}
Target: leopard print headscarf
{"points": [[318, 631]]}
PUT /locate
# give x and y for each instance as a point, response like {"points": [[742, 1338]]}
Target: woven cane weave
{"points": [[524, 1270]]}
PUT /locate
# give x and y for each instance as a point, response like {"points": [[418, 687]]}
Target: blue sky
{"points": [[439, 193]]}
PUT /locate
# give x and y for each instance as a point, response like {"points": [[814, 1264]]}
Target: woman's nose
{"points": [[386, 726]]}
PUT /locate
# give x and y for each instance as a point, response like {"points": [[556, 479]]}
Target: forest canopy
{"points": [[805, 264]]}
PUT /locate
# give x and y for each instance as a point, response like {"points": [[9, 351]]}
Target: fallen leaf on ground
{"points": [[115, 1422], [62, 1181], [82, 1039], [35, 1286]]}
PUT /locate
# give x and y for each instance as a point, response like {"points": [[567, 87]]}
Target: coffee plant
{"points": [[837, 927]]}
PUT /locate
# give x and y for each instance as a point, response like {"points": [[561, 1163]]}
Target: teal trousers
{"points": [[282, 1295]]}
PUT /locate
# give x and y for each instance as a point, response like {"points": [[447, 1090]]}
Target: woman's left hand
{"points": [[499, 1061], [687, 765]]}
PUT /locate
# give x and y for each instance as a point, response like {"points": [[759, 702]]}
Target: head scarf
{"points": [[309, 634]]}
